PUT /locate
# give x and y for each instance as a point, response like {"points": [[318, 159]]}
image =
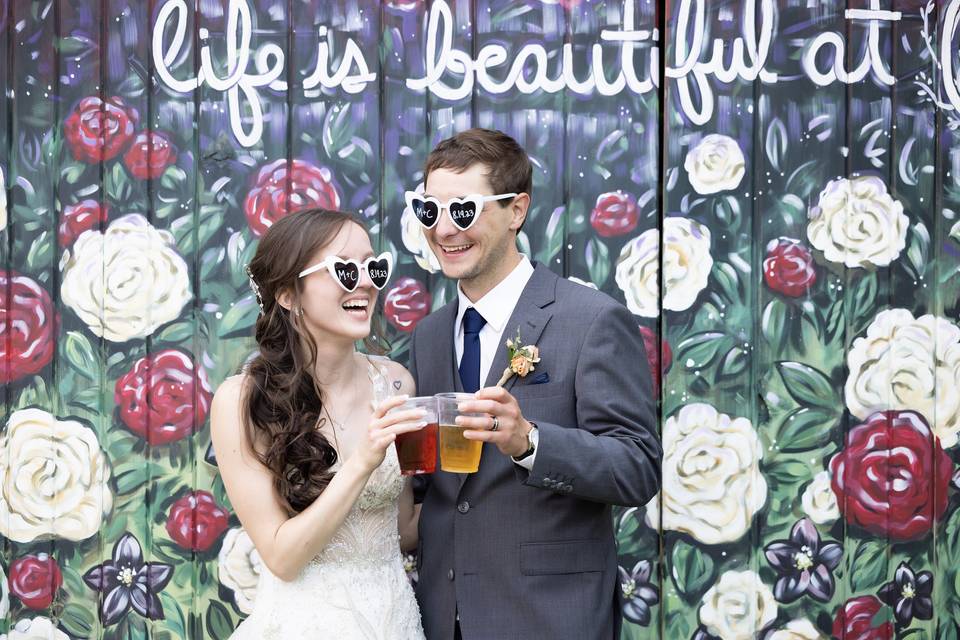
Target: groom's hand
{"points": [[512, 428]]}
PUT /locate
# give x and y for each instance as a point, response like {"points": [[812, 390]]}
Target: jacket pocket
{"points": [[568, 556]]}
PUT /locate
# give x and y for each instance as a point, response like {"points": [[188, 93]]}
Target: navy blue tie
{"points": [[470, 361]]}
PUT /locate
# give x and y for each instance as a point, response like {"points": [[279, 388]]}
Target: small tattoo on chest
{"points": [[396, 385]]}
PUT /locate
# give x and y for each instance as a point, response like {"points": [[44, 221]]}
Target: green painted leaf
{"points": [[117, 183], [240, 317], [40, 255], [952, 531], [918, 250], [805, 429], [80, 354], [728, 279], [71, 171], [809, 386], [598, 261], [947, 629], [776, 142], [773, 323], [834, 320], [691, 569], [77, 620], [219, 622], [174, 178], [211, 259], [76, 46], [555, 236], [679, 624], [869, 567], [700, 349], [174, 619], [864, 301], [734, 363], [176, 332], [789, 472], [727, 211]]}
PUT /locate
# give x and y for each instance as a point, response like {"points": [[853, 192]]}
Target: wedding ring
{"points": [[496, 423]]}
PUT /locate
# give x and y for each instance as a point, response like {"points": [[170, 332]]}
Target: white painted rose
{"points": [[738, 606], [908, 363], [819, 502], [686, 263], [799, 629], [126, 282], [856, 223], [712, 485], [715, 164], [53, 479], [239, 568], [39, 628], [414, 240]]}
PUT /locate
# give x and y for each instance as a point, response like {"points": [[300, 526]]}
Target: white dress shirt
{"points": [[496, 307]]}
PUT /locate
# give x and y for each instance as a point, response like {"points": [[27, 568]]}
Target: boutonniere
{"points": [[522, 358]]}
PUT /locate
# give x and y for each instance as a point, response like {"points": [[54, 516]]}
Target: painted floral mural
{"points": [[782, 218]]}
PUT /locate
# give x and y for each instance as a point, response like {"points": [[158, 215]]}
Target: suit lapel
{"points": [[531, 317]]}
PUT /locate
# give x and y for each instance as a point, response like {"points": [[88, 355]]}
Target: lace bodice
{"points": [[369, 533], [356, 588]]}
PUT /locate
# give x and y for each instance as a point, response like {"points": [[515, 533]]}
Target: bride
{"points": [[304, 441]]}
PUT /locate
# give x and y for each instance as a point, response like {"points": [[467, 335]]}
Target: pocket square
{"points": [[541, 378]]}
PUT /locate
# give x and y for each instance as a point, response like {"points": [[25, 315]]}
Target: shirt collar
{"points": [[498, 303]]}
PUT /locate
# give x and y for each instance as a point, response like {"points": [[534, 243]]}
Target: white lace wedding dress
{"points": [[356, 589]]}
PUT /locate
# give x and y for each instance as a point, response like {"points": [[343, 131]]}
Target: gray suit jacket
{"points": [[531, 555]]}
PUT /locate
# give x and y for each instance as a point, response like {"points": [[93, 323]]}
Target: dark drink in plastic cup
{"points": [[417, 450]]}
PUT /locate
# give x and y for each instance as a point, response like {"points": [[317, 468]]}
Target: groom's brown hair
{"points": [[509, 166]]}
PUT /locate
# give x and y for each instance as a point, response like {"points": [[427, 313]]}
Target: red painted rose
{"points": [[35, 580], [788, 267], [98, 131], [27, 327], [163, 396], [854, 621], [892, 477], [271, 197], [406, 304], [196, 521], [150, 155], [80, 217], [654, 353], [614, 214]]}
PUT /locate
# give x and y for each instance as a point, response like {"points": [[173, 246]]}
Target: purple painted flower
{"points": [[909, 594], [639, 593], [804, 564], [126, 580]]}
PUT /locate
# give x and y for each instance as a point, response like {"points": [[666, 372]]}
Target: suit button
{"points": [[450, 574], [463, 507]]}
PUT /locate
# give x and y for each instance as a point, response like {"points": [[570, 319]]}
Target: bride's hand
{"points": [[383, 430]]}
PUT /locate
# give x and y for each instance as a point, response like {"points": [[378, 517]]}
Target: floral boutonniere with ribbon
{"points": [[522, 358]]}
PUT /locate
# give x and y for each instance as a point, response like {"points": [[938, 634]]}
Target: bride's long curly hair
{"points": [[283, 407]]}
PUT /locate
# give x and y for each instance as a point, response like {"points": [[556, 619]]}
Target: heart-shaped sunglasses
{"points": [[463, 211], [347, 272]]}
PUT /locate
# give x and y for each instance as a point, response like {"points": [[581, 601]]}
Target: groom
{"points": [[524, 548]]}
